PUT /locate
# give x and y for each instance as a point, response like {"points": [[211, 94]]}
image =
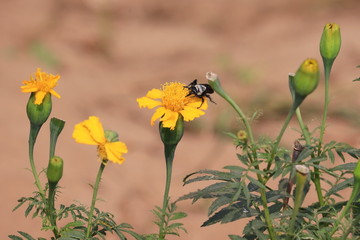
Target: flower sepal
{"points": [[39, 113], [172, 137]]}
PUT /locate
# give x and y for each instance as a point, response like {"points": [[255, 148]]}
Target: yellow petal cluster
{"points": [[91, 132], [41, 84], [172, 100]]}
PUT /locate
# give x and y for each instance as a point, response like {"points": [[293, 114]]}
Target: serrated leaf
{"points": [[219, 202], [235, 237], [331, 156], [13, 237], [304, 154], [231, 213], [256, 182], [28, 209], [178, 215], [340, 186], [345, 166], [26, 236]]}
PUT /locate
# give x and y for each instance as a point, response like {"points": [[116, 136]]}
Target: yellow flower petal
{"points": [[114, 151], [169, 119], [39, 97], [158, 114], [81, 134], [90, 132], [42, 84], [146, 102], [190, 113], [155, 93], [173, 100]]}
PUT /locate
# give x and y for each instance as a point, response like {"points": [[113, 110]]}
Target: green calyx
{"points": [[307, 77], [330, 42], [172, 137], [111, 136], [55, 169], [39, 113]]}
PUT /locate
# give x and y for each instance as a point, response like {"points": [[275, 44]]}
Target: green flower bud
{"points": [[172, 137], [111, 136], [330, 42], [307, 77], [55, 169], [39, 113]]}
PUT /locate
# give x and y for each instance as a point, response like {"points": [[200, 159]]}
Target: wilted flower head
{"points": [[91, 132]]}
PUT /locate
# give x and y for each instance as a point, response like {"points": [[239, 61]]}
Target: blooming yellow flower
{"points": [[172, 100], [42, 84], [91, 132]]}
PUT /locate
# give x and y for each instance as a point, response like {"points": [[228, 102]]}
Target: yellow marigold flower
{"points": [[172, 100], [42, 84], [91, 132]]}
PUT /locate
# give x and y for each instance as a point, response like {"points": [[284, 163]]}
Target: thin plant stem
{"points": [[34, 131], [306, 135], [304, 129], [51, 208], [169, 156], [268, 219], [94, 198], [281, 133], [327, 69]]}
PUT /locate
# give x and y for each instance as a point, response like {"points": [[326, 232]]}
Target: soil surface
{"points": [[109, 53]]}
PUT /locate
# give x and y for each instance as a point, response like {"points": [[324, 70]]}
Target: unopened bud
{"points": [[55, 169], [330, 42], [307, 77]]}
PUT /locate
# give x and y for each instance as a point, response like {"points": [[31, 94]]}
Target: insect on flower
{"points": [[200, 91]]}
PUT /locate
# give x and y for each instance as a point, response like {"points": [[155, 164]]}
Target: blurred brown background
{"points": [[110, 52]]}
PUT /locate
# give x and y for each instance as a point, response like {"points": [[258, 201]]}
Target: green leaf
{"points": [[340, 186], [344, 167], [13, 237], [256, 182], [27, 236], [178, 215], [235, 237]]}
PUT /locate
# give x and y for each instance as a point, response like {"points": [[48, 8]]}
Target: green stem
{"points": [[51, 208], [249, 132], [327, 69], [303, 127], [34, 131], [94, 198], [299, 195], [282, 131], [169, 156], [316, 178]]}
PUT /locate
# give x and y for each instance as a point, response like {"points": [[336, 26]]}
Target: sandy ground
{"points": [[109, 53]]}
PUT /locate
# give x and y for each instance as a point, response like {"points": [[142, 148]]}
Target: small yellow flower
{"points": [[91, 132], [172, 100], [42, 84]]}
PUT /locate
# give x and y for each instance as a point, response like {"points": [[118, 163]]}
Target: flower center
{"points": [[174, 97], [102, 152]]}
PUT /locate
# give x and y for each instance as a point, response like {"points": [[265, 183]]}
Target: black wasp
{"points": [[200, 91]]}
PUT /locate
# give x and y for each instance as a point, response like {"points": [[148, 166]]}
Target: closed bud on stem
{"points": [[39, 113], [55, 169], [307, 77], [172, 137], [330, 42]]}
